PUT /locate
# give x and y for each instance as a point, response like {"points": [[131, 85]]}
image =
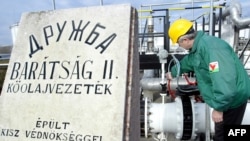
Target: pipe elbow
{"points": [[235, 11], [237, 20]]}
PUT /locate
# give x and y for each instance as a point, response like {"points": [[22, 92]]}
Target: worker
{"points": [[221, 78]]}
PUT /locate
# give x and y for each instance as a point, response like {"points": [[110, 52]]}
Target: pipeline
{"points": [[235, 11], [184, 117], [154, 84]]}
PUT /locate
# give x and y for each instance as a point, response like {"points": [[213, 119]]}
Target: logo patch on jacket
{"points": [[214, 67]]}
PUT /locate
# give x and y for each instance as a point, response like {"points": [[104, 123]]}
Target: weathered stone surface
{"points": [[73, 75]]}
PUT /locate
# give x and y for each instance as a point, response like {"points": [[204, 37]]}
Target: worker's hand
{"points": [[217, 116], [169, 76]]}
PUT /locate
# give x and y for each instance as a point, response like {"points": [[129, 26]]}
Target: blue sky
{"points": [[11, 10]]}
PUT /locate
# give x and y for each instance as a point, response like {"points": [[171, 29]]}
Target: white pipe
{"points": [[154, 84], [163, 80], [4, 65], [168, 118], [211, 17], [14, 30], [163, 54], [150, 41]]}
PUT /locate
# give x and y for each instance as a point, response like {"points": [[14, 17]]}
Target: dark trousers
{"points": [[230, 117]]}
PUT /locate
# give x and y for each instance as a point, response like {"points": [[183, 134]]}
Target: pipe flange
{"points": [[187, 118], [179, 113]]}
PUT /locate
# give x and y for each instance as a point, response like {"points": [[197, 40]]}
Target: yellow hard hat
{"points": [[179, 28]]}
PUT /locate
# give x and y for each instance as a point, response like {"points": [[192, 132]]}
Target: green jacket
{"points": [[222, 80]]}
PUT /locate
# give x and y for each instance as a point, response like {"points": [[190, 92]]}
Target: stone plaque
{"points": [[73, 76]]}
